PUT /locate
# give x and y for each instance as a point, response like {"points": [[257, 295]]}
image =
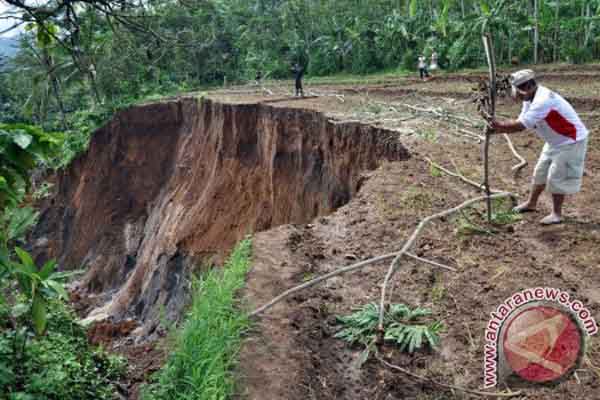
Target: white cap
{"points": [[522, 76]]}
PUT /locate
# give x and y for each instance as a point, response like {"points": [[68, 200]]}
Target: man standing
{"points": [[423, 67], [561, 164], [298, 73], [434, 61], [258, 77]]}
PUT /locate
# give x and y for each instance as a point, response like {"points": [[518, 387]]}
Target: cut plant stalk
{"points": [[491, 111]]}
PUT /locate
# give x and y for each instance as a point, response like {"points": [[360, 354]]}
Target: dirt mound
{"points": [[167, 186]]}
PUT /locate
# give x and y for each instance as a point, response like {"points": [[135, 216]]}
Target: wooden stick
{"points": [[489, 52]]}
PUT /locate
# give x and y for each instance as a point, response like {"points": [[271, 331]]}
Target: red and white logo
{"points": [[542, 343]]}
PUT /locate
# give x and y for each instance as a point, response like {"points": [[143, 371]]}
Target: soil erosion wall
{"points": [[165, 186]]}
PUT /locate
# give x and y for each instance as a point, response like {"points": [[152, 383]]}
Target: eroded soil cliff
{"points": [[167, 187]]}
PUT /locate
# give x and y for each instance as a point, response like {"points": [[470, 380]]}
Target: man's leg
{"points": [[531, 203], [556, 216], [557, 203], [558, 186], [540, 177]]}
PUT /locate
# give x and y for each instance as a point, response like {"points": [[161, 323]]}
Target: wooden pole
{"points": [[536, 30], [489, 52]]}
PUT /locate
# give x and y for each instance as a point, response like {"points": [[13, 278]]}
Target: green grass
{"points": [[202, 363], [348, 78]]}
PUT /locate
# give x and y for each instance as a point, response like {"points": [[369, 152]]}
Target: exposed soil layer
{"points": [[165, 186]]}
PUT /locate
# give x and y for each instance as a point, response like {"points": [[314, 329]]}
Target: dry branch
{"points": [[460, 176], [522, 162], [393, 266], [340, 271], [445, 385]]}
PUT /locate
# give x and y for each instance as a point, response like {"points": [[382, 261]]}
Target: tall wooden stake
{"points": [[489, 52]]}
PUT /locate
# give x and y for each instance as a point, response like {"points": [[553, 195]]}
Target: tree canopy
{"points": [[82, 55]]}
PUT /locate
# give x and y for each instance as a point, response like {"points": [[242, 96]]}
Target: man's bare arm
{"points": [[509, 126]]}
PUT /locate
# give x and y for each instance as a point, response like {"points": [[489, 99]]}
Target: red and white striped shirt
{"points": [[552, 118]]}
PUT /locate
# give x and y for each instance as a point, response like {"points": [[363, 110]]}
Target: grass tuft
{"points": [[206, 348]]}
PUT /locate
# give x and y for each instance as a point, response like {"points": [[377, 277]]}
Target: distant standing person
{"points": [[434, 61], [561, 164], [298, 71], [258, 76], [423, 67]]}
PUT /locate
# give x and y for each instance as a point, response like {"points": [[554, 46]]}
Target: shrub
{"points": [[57, 366]]}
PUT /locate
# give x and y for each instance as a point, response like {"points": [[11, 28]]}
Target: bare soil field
{"points": [[292, 353]]}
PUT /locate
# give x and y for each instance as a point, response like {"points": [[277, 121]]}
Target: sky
{"points": [[7, 23]]}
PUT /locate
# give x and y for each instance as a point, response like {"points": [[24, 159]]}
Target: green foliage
{"points": [[21, 147], [409, 60], [465, 225], [14, 223], [205, 353], [412, 337], [183, 46], [434, 172], [403, 327], [57, 366], [472, 221], [39, 286]]}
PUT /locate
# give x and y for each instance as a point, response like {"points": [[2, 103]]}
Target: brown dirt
{"points": [[167, 186], [293, 355], [133, 209]]}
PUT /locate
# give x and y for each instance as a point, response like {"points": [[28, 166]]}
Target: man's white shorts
{"points": [[561, 168]]}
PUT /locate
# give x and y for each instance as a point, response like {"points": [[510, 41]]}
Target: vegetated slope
{"points": [[164, 186]]}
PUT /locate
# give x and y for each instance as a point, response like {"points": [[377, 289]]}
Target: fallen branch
{"points": [[522, 162], [445, 385], [460, 176], [393, 266], [340, 271], [473, 134]]}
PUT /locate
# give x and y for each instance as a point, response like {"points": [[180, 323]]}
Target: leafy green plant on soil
{"points": [[471, 221], [434, 171], [404, 327]]}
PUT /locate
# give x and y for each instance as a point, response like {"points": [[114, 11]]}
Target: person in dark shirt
{"points": [[298, 71], [258, 77]]}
